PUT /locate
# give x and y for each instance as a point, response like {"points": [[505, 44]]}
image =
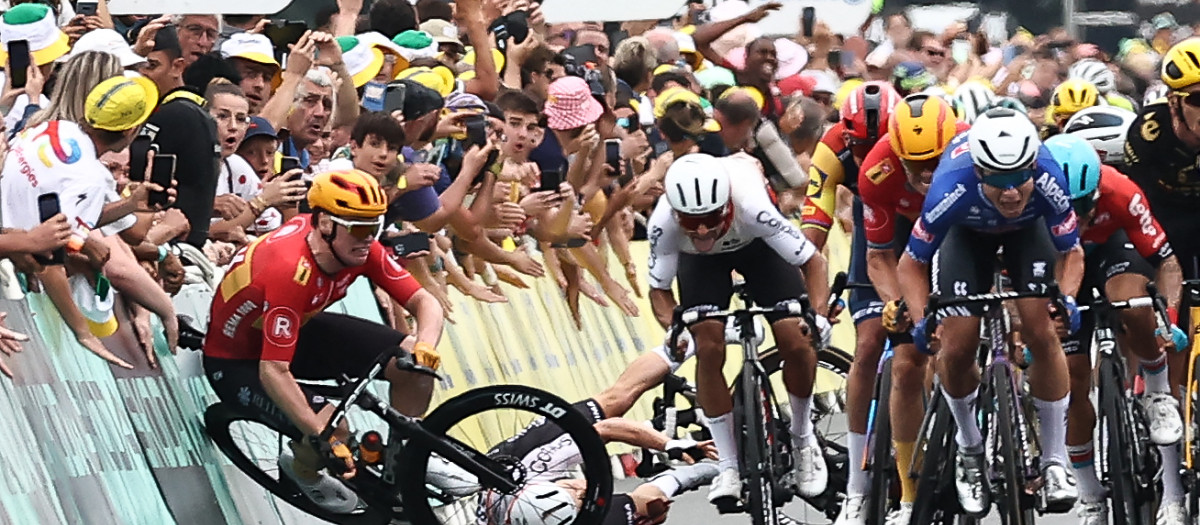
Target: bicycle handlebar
{"points": [[684, 318], [936, 302]]}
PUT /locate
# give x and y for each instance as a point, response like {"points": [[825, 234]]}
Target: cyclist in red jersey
{"points": [[1125, 248], [268, 328], [892, 183]]}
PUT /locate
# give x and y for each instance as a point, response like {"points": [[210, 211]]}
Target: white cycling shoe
{"points": [[854, 510], [326, 492], [900, 516], [1093, 513], [726, 487], [1162, 411], [1172, 513], [812, 476]]}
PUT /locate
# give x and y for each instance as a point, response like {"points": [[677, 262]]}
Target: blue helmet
{"points": [[1079, 162]]}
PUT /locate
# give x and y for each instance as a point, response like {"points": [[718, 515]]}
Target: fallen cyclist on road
{"points": [[268, 328]]}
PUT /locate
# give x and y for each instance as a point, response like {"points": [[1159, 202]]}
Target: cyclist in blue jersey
{"points": [[998, 187]]}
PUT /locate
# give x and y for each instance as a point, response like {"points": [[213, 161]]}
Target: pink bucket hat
{"points": [[570, 105]]}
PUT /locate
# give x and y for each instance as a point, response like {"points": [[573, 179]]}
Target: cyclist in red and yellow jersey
{"points": [[892, 184], [836, 163], [268, 328]]}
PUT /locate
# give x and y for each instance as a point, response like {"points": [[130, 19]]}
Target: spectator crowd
{"points": [[517, 148]]}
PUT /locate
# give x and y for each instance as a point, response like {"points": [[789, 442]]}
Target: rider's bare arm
{"points": [[914, 284], [1070, 264], [277, 380], [425, 307], [881, 270]]}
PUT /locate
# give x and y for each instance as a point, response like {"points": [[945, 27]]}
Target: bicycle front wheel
{"points": [[548, 447], [1119, 449], [1012, 450], [883, 465], [757, 459]]}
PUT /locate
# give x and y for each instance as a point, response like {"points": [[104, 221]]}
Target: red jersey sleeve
{"points": [[386, 273], [878, 195], [1136, 218], [284, 301]]}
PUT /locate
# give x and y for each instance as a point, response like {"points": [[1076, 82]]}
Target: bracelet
{"points": [[163, 252]]}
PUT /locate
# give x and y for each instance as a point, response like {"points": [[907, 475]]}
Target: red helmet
{"points": [[866, 111]]}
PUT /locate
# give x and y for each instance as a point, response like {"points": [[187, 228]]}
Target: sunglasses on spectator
{"points": [[361, 230], [1189, 98], [934, 52], [1005, 180], [629, 124]]}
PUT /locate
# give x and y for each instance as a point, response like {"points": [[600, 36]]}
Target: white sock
{"points": [[802, 427], [666, 483], [1083, 461], [968, 437], [1172, 485], [721, 428], [858, 479], [1052, 421], [1154, 374]]}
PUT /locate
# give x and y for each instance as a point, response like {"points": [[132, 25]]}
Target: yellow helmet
{"points": [[348, 193], [1074, 95], [1181, 64], [921, 126]]}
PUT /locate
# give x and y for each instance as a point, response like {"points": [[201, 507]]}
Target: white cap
{"points": [[249, 46], [107, 41]]}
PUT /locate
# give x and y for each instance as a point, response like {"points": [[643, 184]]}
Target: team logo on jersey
{"points": [[947, 202], [879, 172], [281, 326], [962, 148], [1053, 191], [1066, 227], [1150, 128], [919, 233], [1138, 208], [303, 272], [54, 144]]}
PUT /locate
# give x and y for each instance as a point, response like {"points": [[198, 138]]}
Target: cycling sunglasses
{"points": [[1189, 98], [711, 221], [1085, 205], [361, 230], [1005, 180]]}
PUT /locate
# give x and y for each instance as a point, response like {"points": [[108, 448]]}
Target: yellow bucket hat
{"points": [[363, 60]]}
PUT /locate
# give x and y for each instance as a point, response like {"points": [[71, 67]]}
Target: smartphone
{"points": [[162, 173], [287, 164], [476, 132], [86, 8], [960, 50], [551, 179], [372, 97], [47, 208], [846, 58], [835, 58], [393, 97], [18, 62], [283, 32], [612, 155], [809, 18], [405, 245]]}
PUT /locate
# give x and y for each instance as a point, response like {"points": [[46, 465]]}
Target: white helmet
{"points": [[541, 504], [1105, 128], [1003, 140], [974, 98], [1096, 72], [697, 184], [1153, 93]]}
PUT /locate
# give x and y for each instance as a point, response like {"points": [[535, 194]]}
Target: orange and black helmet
{"points": [[349, 193], [921, 126]]}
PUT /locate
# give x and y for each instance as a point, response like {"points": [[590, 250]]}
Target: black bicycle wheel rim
{"points": [[1120, 481], [217, 421], [1013, 454], [937, 467], [882, 463], [596, 466]]}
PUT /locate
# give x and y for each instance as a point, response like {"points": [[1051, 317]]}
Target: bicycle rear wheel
{"points": [[548, 440], [1012, 449], [1119, 448], [883, 464], [937, 497], [254, 448]]}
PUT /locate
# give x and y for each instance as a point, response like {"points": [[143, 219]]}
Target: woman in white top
{"points": [[243, 201]]}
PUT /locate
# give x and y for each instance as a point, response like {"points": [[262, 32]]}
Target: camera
{"points": [[581, 62]]}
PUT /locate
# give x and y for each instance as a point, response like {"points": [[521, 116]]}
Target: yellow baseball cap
{"points": [[497, 58], [676, 95], [750, 91], [439, 79], [121, 103]]}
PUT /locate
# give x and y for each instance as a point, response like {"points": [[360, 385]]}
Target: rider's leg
{"points": [[959, 375], [799, 370], [1140, 325], [1081, 422], [644, 373], [859, 391], [908, 383], [409, 392], [1046, 377], [307, 464], [712, 391]]}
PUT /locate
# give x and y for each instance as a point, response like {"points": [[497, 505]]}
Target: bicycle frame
{"points": [[1191, 301]]}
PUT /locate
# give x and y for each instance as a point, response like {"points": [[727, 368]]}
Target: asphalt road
{"points": [[693, 508]]}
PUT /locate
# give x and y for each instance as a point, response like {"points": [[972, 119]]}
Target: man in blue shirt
{"points": [[998, 187]]}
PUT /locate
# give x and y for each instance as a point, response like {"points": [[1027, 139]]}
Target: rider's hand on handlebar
{"points": [[895, 317], [926, 344], [427, 356], [342, 452], [686, 447]]}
